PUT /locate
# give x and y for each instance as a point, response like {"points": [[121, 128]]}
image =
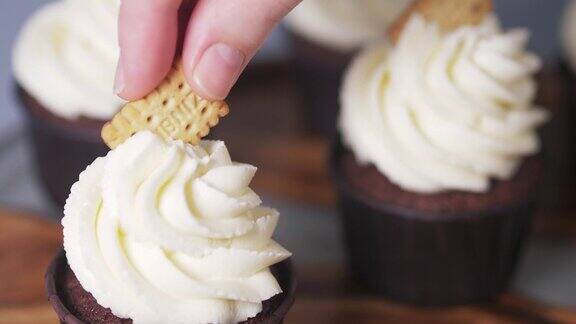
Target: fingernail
{"points": [[118, 80], [217, 70]]}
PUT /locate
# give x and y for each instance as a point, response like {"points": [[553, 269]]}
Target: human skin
{"points": [[221, 38]]}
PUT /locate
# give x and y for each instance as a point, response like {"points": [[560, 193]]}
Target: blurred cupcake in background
{"points": [[568, 35], [564, 130], [167, 232], [324, 35], [439, 162], [64, 64]]}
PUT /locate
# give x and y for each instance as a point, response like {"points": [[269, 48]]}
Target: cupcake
{"points": [[324, 35], [563, 133], [167, 232], [64, 63], [438, 164], [568, 35]]}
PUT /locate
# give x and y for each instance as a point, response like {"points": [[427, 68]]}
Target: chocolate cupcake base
{"points": [[62, 148], [432, 250], [74, 305]]}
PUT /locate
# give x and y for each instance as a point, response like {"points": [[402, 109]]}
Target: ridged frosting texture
{"points": [[65, 56], [443, 111], [343, 25], [166, 232]]}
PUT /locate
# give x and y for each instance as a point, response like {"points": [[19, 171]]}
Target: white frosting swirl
{"points": [[443, 111], [66, 54], [171, 233], [344, 25]]}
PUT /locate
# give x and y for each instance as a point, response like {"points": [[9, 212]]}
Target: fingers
{"points": [[223, 36], [147, 37]]}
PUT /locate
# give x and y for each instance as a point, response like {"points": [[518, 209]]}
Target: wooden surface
{"points": [[324, 296], [27, 244], [265, 128], [509, 309]]}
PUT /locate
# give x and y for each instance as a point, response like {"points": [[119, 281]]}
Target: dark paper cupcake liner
{"points": [[430, 259], [318, 73], [62, 149], [275, 309], [558, 94]]}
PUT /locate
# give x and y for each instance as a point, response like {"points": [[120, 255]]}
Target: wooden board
{"points": [[27, 244], [292, 164], [509, 309]]}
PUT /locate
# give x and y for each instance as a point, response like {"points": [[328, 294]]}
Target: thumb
{"points": [[223, 36]]}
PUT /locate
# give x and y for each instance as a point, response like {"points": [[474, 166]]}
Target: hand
{"points": [[221, 38]]}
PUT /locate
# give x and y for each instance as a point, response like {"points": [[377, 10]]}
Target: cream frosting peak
{"points": [[65, 56], [166, 232], [443, 111]]}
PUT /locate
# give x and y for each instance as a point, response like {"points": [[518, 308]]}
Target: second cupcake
{"points": [[438, 163]]}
